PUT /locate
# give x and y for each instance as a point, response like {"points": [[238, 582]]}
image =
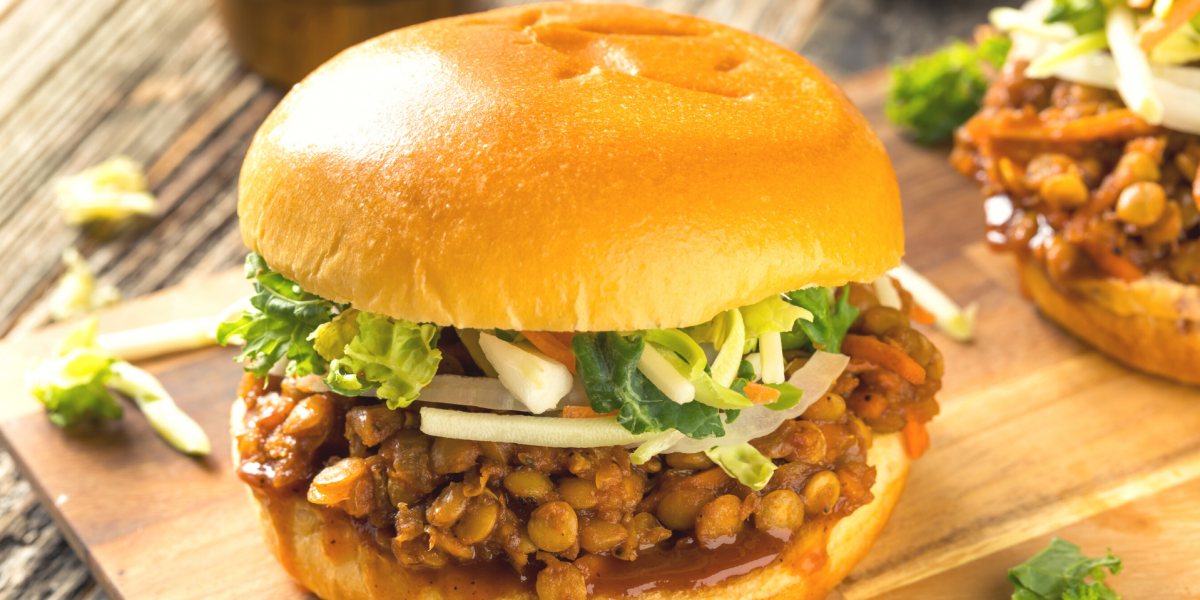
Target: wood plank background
{"points": [[87, 79]]}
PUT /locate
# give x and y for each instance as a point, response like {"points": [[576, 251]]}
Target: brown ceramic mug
{"points": [[284, 40]]}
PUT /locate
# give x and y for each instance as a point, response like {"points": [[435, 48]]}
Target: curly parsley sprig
{"points": [[1060, 572]]}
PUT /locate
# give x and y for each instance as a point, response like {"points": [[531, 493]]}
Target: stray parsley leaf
{"points": [[930, 96], [1060, 572], [830, 322]]}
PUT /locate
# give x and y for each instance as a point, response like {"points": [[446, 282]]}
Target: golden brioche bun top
{"points": [[568, 167]]}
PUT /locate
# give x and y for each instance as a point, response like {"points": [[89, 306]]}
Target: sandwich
{"points": [[1087, 148], [567, 301]]}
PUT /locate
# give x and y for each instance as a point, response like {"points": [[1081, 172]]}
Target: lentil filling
{"points": [[1079, 182], [560, 517]]}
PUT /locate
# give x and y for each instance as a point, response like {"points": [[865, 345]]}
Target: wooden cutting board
{"points": [[1038, 436]]}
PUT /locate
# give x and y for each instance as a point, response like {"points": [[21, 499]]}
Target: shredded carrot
{"points": [[1154, 31], [563, 336], [890, 357], [1117, 266], [761, 394], [916, 438], [584, 412], [921, 315], [552, 346], [1026, 125]]}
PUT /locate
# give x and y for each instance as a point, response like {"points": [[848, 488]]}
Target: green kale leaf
{"points": [[607, 365]]}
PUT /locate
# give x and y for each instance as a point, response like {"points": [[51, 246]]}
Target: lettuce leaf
{"points": [[789, 396], [330, 339], [74, 388], [279, 325], [1085, 16], [708, 391], [744, 463], [607, 365], [773, 315], [114, 189], [396, 356], [830, 320], [1060, 572], [72, 385], [718, 396], [729, 354], [682, 344], [77, 292]]}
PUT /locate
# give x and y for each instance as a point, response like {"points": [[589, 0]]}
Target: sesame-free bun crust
{"points": [[295, 531], [568, 167], [1150, 324]]}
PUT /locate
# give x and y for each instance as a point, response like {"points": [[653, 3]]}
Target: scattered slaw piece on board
{"points": [[956, 322]]}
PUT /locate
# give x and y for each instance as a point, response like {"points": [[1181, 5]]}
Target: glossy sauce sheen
{"points": [[685, 566]]}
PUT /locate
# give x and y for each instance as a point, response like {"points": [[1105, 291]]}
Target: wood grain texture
{"points": [[1154, 535], [156, 80], [88, 79], [1038, 435]]}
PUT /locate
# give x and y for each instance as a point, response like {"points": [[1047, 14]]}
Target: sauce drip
{"points": [[687, 566]]}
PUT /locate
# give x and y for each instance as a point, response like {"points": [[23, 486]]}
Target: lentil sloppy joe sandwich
{"points": [[569, 301], [1087, 147]]}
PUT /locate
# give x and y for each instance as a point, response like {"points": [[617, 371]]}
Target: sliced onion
{"points": [[1178, 87], [770, 348], [1029, 22], [1043, 66], [552, 432], [655, 446], [665, 377], [312, 384], [1134, 79], [535, 379], [814, 379], [486, 392], [886, 292], [279, 369]]}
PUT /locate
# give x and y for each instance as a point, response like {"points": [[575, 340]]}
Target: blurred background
{"points": [[180, 87]]}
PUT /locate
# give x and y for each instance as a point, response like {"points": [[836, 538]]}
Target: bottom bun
{"points": [[1169, 347], [353, 568]]}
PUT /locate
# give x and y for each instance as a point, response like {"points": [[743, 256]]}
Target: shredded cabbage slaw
{"points": [[1138, 55]]}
